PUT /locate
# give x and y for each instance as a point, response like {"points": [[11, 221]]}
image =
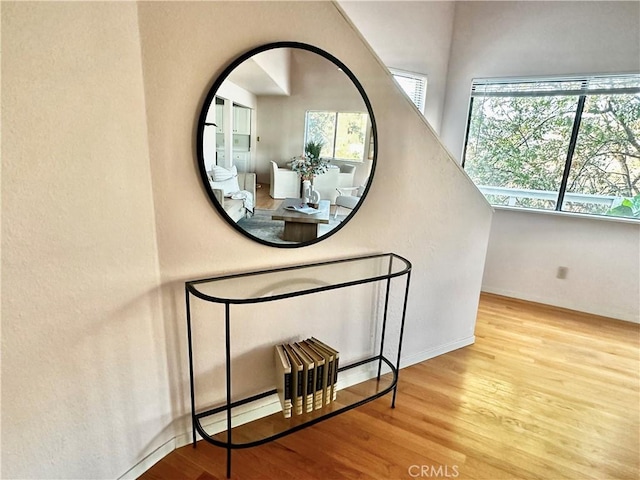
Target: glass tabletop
{"points": [[285, 282]]}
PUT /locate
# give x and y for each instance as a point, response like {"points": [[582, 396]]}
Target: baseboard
{"points": [[436, 351], [271, 405], [266, 406], [602, 311], [150, 460]]}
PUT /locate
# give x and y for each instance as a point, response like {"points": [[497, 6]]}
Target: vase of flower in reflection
{"points": [[306, 189]]}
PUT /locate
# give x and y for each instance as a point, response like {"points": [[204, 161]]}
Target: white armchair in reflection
{"points": [[285, 183], [346, 175], [326, 183], [348, 197]]}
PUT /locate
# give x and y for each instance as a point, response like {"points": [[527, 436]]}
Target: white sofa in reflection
{"points": [[235, 192], [284, 183]]}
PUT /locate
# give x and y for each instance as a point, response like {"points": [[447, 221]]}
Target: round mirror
{"points": [[287, 144]]}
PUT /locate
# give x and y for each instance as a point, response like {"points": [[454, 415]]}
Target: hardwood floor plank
{"points": [[544, 393]]}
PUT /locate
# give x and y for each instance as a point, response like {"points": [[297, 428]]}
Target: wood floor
{"points": [[263, 200], [544, 393]]}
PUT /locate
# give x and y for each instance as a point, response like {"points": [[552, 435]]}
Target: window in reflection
{"points": [[342, 134]]}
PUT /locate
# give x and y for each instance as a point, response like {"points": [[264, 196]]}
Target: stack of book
{"points": [[306, 375]]}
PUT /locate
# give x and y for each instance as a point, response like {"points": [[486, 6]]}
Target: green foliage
{"points": [[522, 142], [312, 149], [342, 134], [350, 135], [310, 164], [607, 156], [628, 207], [321, 128]]}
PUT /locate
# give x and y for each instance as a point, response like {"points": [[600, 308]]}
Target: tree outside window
{"points": [[343, 134], [568, 145]]}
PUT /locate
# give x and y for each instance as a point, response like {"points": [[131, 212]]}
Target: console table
{"points": [[280, 283]]}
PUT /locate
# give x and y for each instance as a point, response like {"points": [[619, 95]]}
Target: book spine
{"points": [[329, 389], [310, 389], [297, 372], [336, 356], [300, 393], [319, 386], [334, 389], [288, 405], [309, 376]]}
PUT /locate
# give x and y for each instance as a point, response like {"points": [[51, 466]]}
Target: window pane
{"points": [[517, 148], [415, 86], [321, 128], [350, 135], [605, 170]]}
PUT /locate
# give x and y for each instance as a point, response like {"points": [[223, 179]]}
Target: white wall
{"points": [[276, 64], [104, 218], [547, 38], [602, 258], [447, 252], [413, 36], [84, 359], [316, 84], [501, 39], [513, 39]]}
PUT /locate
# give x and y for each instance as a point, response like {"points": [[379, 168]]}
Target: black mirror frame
{"points": [[211, 98]]}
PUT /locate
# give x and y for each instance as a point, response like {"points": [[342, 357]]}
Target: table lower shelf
{"points": [[274, 426]]}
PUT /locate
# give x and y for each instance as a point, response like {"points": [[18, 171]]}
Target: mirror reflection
{"points": [[286, 145]]}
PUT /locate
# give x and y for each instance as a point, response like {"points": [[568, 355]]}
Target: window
{"points": [[563, 144], [413, 84], [343, 134]]}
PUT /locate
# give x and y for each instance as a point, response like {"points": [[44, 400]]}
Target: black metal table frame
{"points": [[190, 289]]}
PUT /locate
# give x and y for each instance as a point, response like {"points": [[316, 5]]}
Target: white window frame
{"points": [[333, 143], [413, 84]]}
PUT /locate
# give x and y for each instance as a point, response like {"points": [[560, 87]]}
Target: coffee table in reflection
{"points": [[301, 227]]}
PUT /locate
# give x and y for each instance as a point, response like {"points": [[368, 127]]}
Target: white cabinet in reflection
{"points": [[242, 161], [241, 120]]}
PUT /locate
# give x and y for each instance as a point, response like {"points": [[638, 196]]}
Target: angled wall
{"points": [[413, 36], [421, 205], [454, 42], [104, 219]]}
